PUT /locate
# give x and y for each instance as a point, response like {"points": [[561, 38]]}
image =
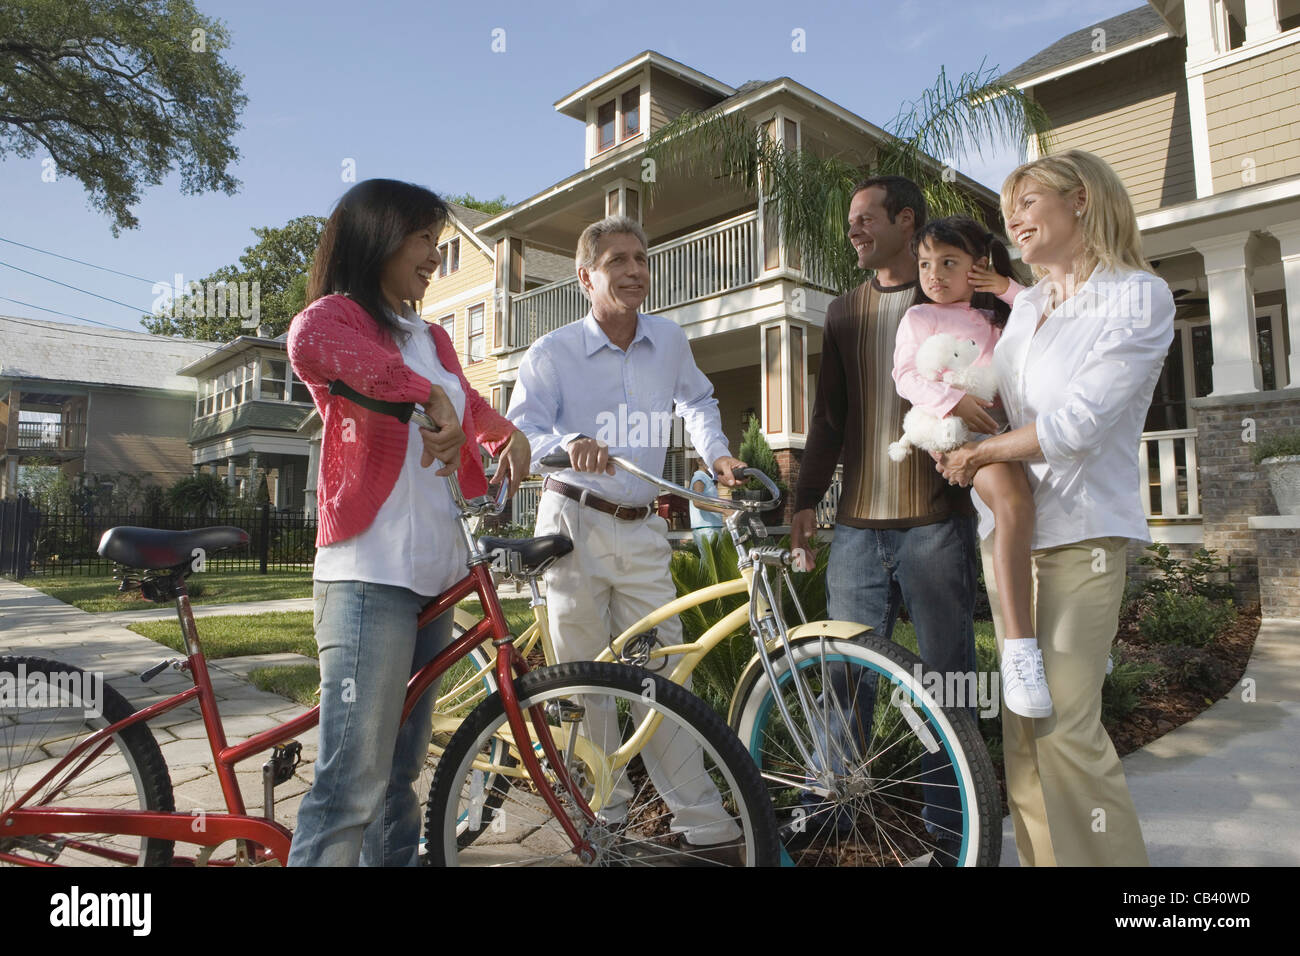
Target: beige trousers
{"points": [[1069, 800]]}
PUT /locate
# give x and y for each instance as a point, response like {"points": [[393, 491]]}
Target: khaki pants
{"points": [[1065, 785], [616, 574]]}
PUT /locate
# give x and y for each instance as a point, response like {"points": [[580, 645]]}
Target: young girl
{"points": [[967, 288]]}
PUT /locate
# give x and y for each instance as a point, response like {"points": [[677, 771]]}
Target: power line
{"points": [[137, 310], [81, 262], [66, 315]]}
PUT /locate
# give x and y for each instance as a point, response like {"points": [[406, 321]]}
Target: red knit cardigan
{"points": [[363, 451]]}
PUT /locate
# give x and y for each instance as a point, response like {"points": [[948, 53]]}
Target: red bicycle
{"points": [[82, 781]]}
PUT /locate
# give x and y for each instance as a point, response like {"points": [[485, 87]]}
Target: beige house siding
{"points": [[670, 96], [143, 435], [1253, 112], [446, 295], [1132, 111]]}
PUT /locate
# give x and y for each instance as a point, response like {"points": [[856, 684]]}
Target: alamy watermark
{"points": [[622, 428], [979, 689], [44, 689], [210, 300]]}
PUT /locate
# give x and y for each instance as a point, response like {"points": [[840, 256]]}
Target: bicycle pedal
{"points": [[565, 711], [285, 759], [161, 666]]}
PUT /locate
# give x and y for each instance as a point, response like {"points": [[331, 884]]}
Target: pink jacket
{"points": [[927, 319], [334, 338]]}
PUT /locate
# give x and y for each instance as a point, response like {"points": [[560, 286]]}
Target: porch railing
{"points": [[52, 435], [830, 503], [710, 262], [1168, 468], [524, 504]]}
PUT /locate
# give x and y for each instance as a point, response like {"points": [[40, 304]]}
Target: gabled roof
{"points": [[1076, 49], [541, 264], [572, 105], [467, 220], [63, 352]]}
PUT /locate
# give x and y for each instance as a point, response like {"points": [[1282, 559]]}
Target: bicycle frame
{"points": [[266, 840]]}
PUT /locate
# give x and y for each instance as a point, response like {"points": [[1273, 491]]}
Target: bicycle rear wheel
{"points": [[711, 809], [45, 714], [911, 784]]}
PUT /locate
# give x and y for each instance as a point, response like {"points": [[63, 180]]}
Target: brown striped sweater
{"points": [[858, 413]]}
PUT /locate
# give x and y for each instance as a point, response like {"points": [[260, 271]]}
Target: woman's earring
{"points": [[1078, 213]]}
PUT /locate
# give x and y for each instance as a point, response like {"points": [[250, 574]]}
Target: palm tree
{"points": [[811, 193]]}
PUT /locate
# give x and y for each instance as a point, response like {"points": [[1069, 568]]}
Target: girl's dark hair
{"points": [[979, 243], [368, 225]]}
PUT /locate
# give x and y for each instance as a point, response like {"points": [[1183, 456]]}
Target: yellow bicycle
{"points": [[864, 765]]}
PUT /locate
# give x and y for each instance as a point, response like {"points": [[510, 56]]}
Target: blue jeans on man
{"points": [[931, 569]]}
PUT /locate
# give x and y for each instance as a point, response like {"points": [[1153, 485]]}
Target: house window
{"points": [[449, 252], [448, 323], [300, 391], [605, 126], [631, 103], [475, 347], [273, 377]]}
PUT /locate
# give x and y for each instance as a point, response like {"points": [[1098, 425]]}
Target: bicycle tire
{"points": [[872, 817], [453, 711], [129, 774], [643, 834]]}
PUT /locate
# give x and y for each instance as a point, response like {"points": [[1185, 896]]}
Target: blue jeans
{"points": [[362, 806], [930, 569]]}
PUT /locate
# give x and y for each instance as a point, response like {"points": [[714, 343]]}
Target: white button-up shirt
{"points": [[1085, 379], [574, 381]]}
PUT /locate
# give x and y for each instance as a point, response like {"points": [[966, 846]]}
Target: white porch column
{"points": [[1288, 237], [230, 473], [1261, 20], [1232, 310], [10, 489], [313, 469], [1200, 30], [783, 347]]}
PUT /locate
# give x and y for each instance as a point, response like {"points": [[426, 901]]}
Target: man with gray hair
{"points": [[607, 385]]}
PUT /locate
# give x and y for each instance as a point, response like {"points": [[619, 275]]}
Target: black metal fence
{"points": [[33, 541]]}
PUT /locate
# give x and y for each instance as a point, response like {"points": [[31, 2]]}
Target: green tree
{"points": [[926, 139], [118, 93], [278, 263], [201, 494], [490, 206]]}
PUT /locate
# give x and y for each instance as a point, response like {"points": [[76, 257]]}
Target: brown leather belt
{"points": [[585, 497]]}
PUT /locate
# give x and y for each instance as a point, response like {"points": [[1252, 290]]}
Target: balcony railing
{"points": [[710, 262], [1168, 470], [52, 436]]}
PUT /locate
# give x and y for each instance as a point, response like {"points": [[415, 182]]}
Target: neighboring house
{"points": [[717, 265], [95, 401], [1197, 106], [245, 415], [461, 297]]}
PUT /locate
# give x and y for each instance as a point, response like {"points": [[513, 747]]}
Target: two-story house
{"points": [[718, 266], [1196, 103], [93, 401]]}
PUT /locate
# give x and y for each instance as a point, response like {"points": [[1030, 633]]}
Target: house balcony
{"points": [[719, 259]]}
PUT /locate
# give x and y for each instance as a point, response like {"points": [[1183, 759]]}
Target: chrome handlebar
{"points": [[560, 459]]}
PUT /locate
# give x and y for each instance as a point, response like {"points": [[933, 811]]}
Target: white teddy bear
{"points": [[944, 358]]}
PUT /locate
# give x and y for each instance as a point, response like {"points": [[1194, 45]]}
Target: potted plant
{"points": [[757, 453], [1279, 458]]}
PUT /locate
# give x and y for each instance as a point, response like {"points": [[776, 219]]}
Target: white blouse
{"points": [[412, 542], [1085, 379]]}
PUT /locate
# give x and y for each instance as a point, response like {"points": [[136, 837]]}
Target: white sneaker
{"points": [[1024, 685]]}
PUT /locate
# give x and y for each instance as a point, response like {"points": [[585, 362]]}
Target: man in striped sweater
{"points": [[903, 536]]}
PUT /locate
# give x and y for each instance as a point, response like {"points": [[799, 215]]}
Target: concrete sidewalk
{"points": [[1217, 791]]}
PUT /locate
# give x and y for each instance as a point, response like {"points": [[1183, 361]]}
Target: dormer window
{"points": [[618, 119], [605, 125]]}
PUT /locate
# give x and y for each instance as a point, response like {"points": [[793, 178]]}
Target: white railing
{"points": [[1173, 491], [824, 515], [524, 504], [710, 262]]}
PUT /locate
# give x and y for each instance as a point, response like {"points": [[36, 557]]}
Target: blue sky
{"points": [[413, 91]]}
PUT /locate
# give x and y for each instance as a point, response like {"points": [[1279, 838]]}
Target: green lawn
{"points": [[99, 592]]}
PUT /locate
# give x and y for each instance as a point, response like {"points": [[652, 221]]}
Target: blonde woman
{"points": [[1077, 364]]}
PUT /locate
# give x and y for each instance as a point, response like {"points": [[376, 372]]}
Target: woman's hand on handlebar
{"points": [[444, 444], [514, 462]]}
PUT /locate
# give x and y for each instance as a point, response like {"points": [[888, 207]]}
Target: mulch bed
{"points": [[1166, 703]]}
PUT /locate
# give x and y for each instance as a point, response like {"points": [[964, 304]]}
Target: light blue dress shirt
{"points": [[574, 381]]}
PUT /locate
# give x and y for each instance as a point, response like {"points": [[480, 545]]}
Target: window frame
{"points": [[480, 335]]}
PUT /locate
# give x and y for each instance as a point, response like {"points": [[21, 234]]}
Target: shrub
{"points": [[1188, 619], [757, 453], [1277, 446], [1194, 667], [1120, 690], [1191, 577], [201, 494]]}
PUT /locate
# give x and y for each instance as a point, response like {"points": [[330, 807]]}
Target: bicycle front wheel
{"points": [[691, 796], [905, 782], [52, 708]]}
